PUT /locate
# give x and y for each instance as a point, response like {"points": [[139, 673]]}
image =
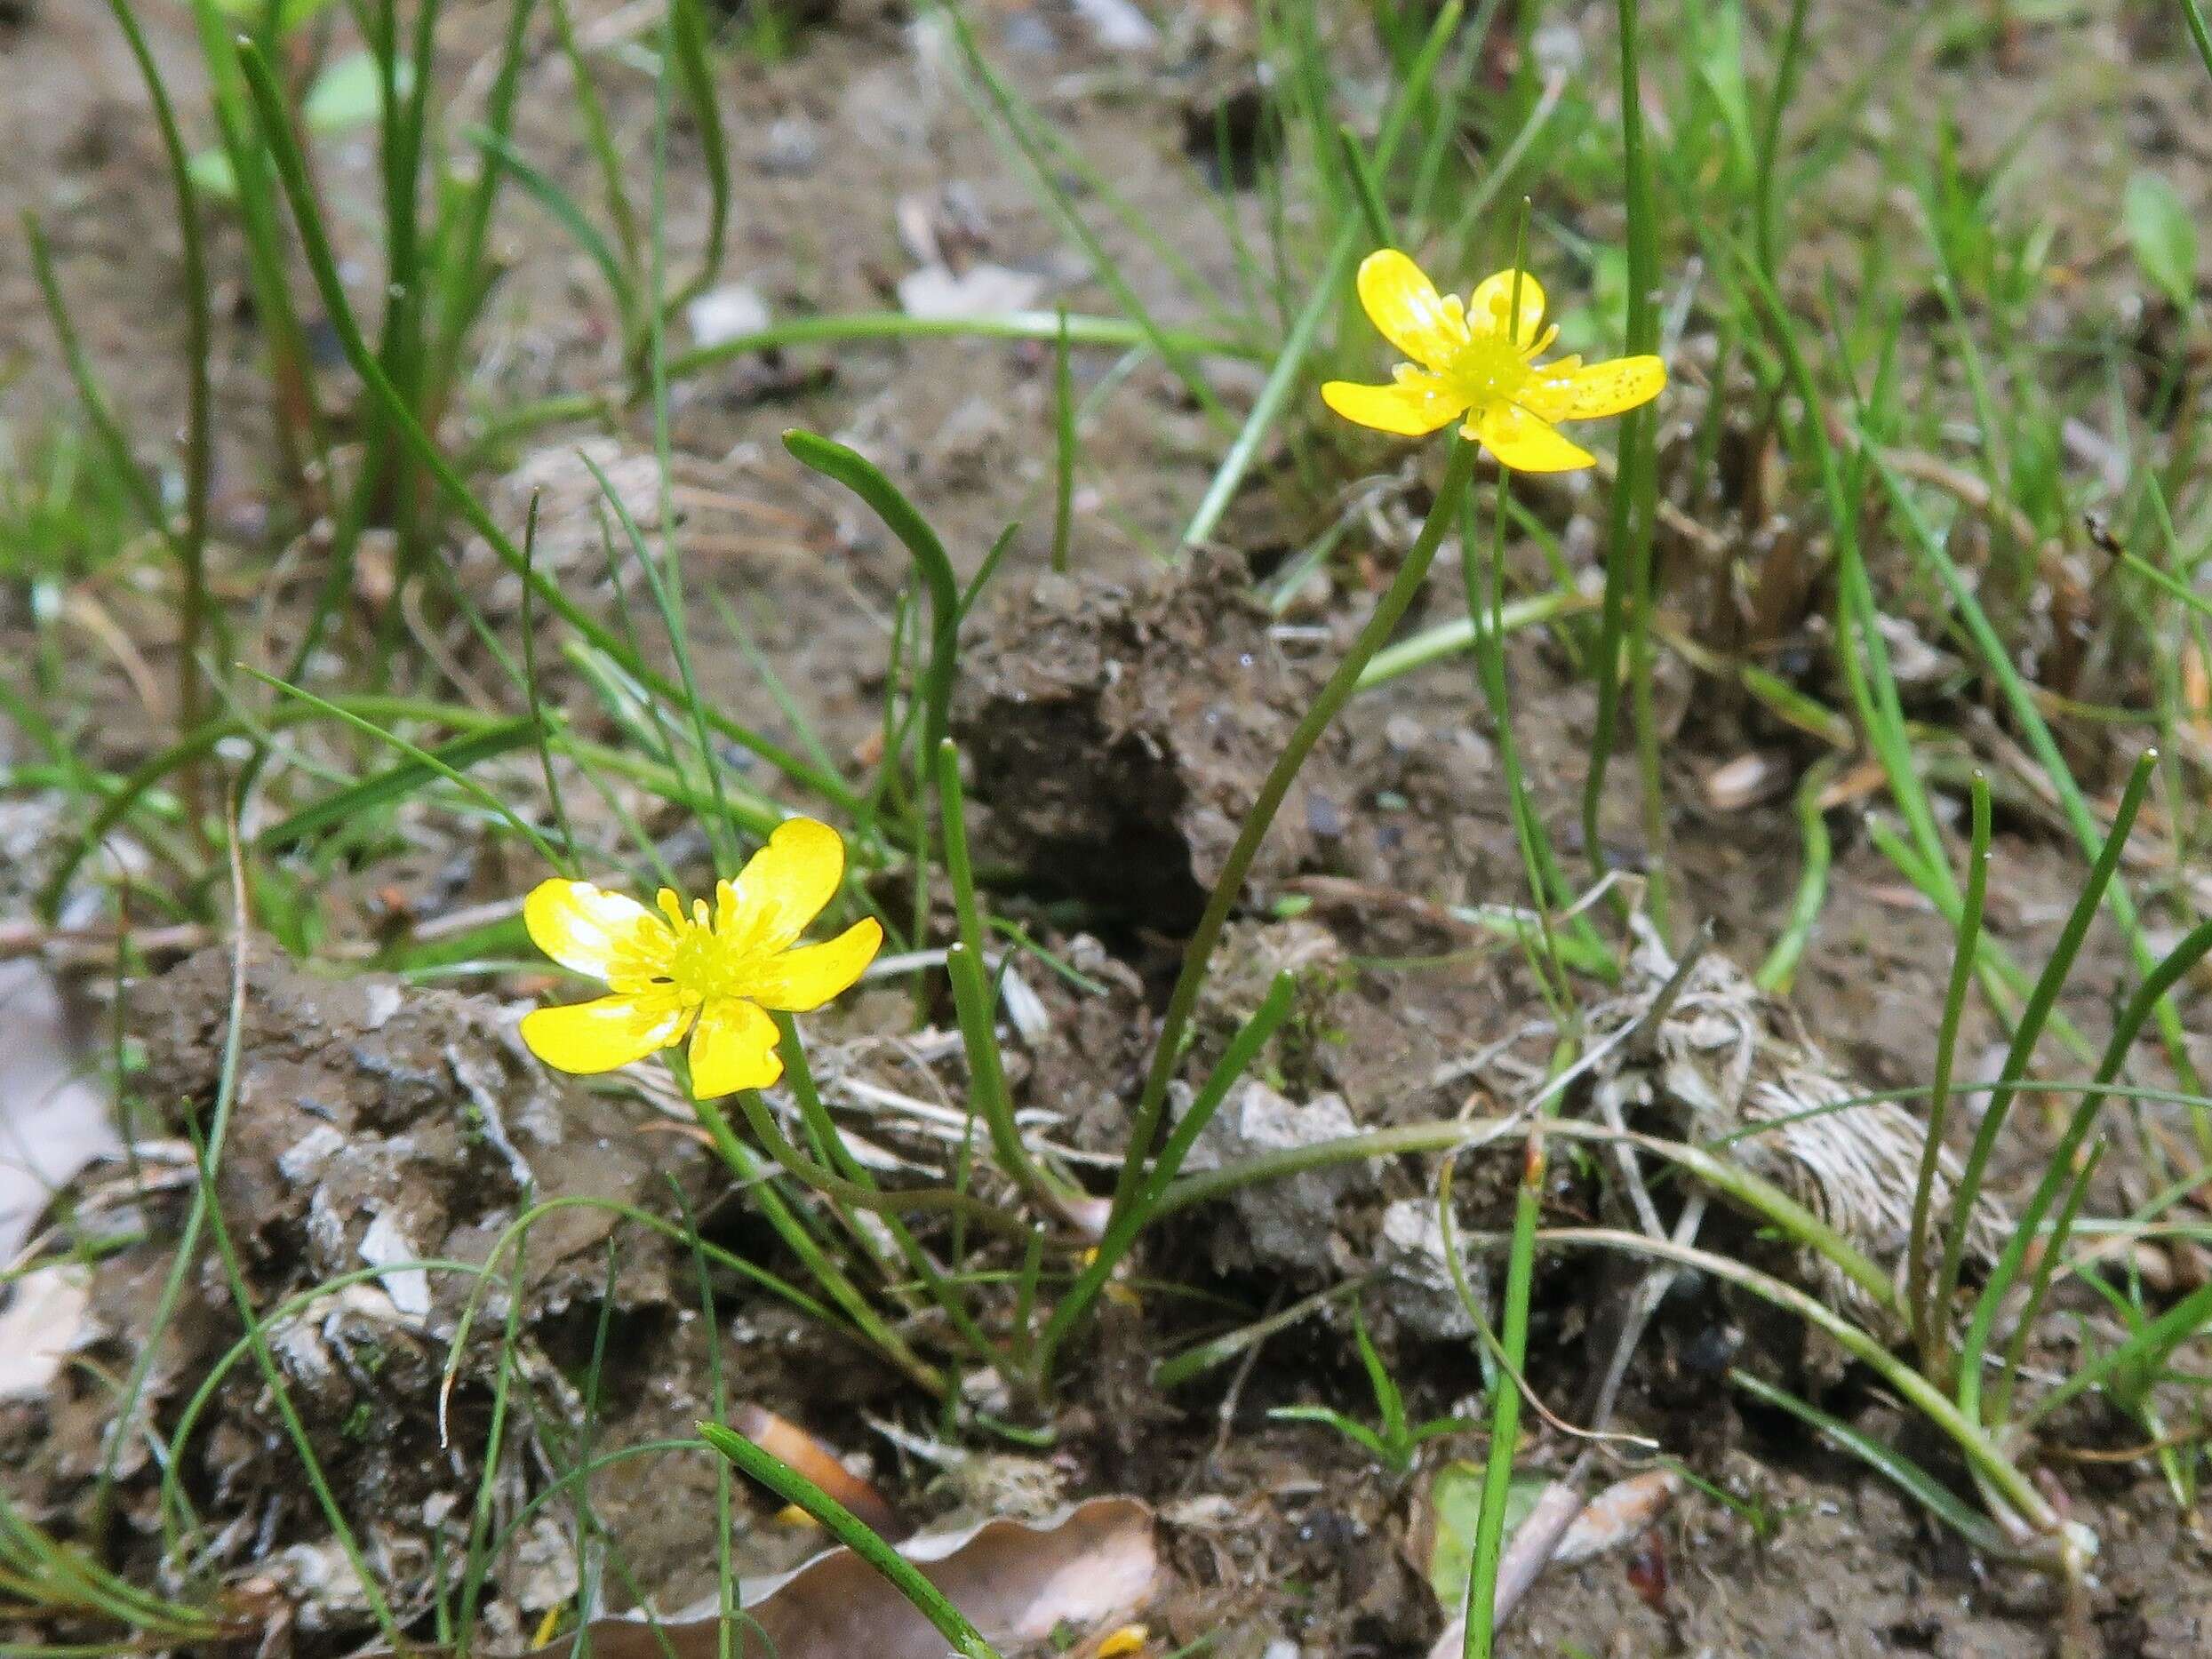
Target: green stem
{"points": [[1123, 1233], [1629, 516], [1479, 1614], [1931, 1325]]}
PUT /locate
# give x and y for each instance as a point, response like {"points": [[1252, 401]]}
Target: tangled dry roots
{"points": [[1726, 1062]]}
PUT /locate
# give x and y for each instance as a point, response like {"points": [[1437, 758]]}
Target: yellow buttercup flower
{"points": [[1474, 360], [715, 975]]}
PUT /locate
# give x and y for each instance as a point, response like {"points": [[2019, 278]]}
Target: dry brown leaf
{"points": [[1095, 1567]]}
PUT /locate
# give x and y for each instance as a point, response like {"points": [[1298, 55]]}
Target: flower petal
{"points": [[601, 1035], [1520, 440], [1413, 408], [1567, 390], [799, 980], [734, 1048], [1408, 311], [784, 886], [1493, 298], [587, 929]]}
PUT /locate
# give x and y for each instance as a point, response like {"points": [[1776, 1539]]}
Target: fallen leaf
{"points": [[1456, 1506], [1092, 1567], [1622, 1511], [54, 1114], [41, 1323], [981, 290]]}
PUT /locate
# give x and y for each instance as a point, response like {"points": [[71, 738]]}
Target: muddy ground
{"points": [[1116, 719]]}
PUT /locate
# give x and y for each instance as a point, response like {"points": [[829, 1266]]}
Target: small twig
{"points": [[1639, 1037], [1234, 1394], [95, 946]]}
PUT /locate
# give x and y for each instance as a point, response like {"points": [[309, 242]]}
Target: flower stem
{"points": [[1183, 1001]]}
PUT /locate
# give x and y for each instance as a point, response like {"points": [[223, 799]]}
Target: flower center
{"points": [[704, 965], [1487, 371]]}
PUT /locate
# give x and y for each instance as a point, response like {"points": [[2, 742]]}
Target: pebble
{"points": [[794, 146]]}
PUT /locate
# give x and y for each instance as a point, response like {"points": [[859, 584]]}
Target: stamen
{"points": [[1487, 371]]}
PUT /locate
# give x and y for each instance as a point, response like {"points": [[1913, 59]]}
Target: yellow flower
{"points": [[715, 975], [1470, 361]]}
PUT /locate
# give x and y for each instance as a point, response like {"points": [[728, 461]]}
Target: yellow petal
{"points": [[784, 886], [1567, 390], [1417, 405], [601, 1035], [798, 980], [1492, 299], [1408, 311], [734, 1048], [588, 928], [1518, 439]]}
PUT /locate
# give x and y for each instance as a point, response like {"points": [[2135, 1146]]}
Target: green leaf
{"points": [[1388, 1401], [2163, 235], [1455, 1497], [344, 97], [1353, 1430]]}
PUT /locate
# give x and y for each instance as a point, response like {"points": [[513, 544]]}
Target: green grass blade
{"points": [[1931, 1322], [2026, 1033], [1893, 1466], [1778, 971], [2044, 747], [2060, 1161], [932, 565], [421, 757], [396, 784], [291, 171], [568, 213], [1628, 596], [687, 27]]}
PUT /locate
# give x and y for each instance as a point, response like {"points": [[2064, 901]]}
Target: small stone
{"points": [[794, 146], [1416, 1281], [1289, 1223], [1117, 26]]}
